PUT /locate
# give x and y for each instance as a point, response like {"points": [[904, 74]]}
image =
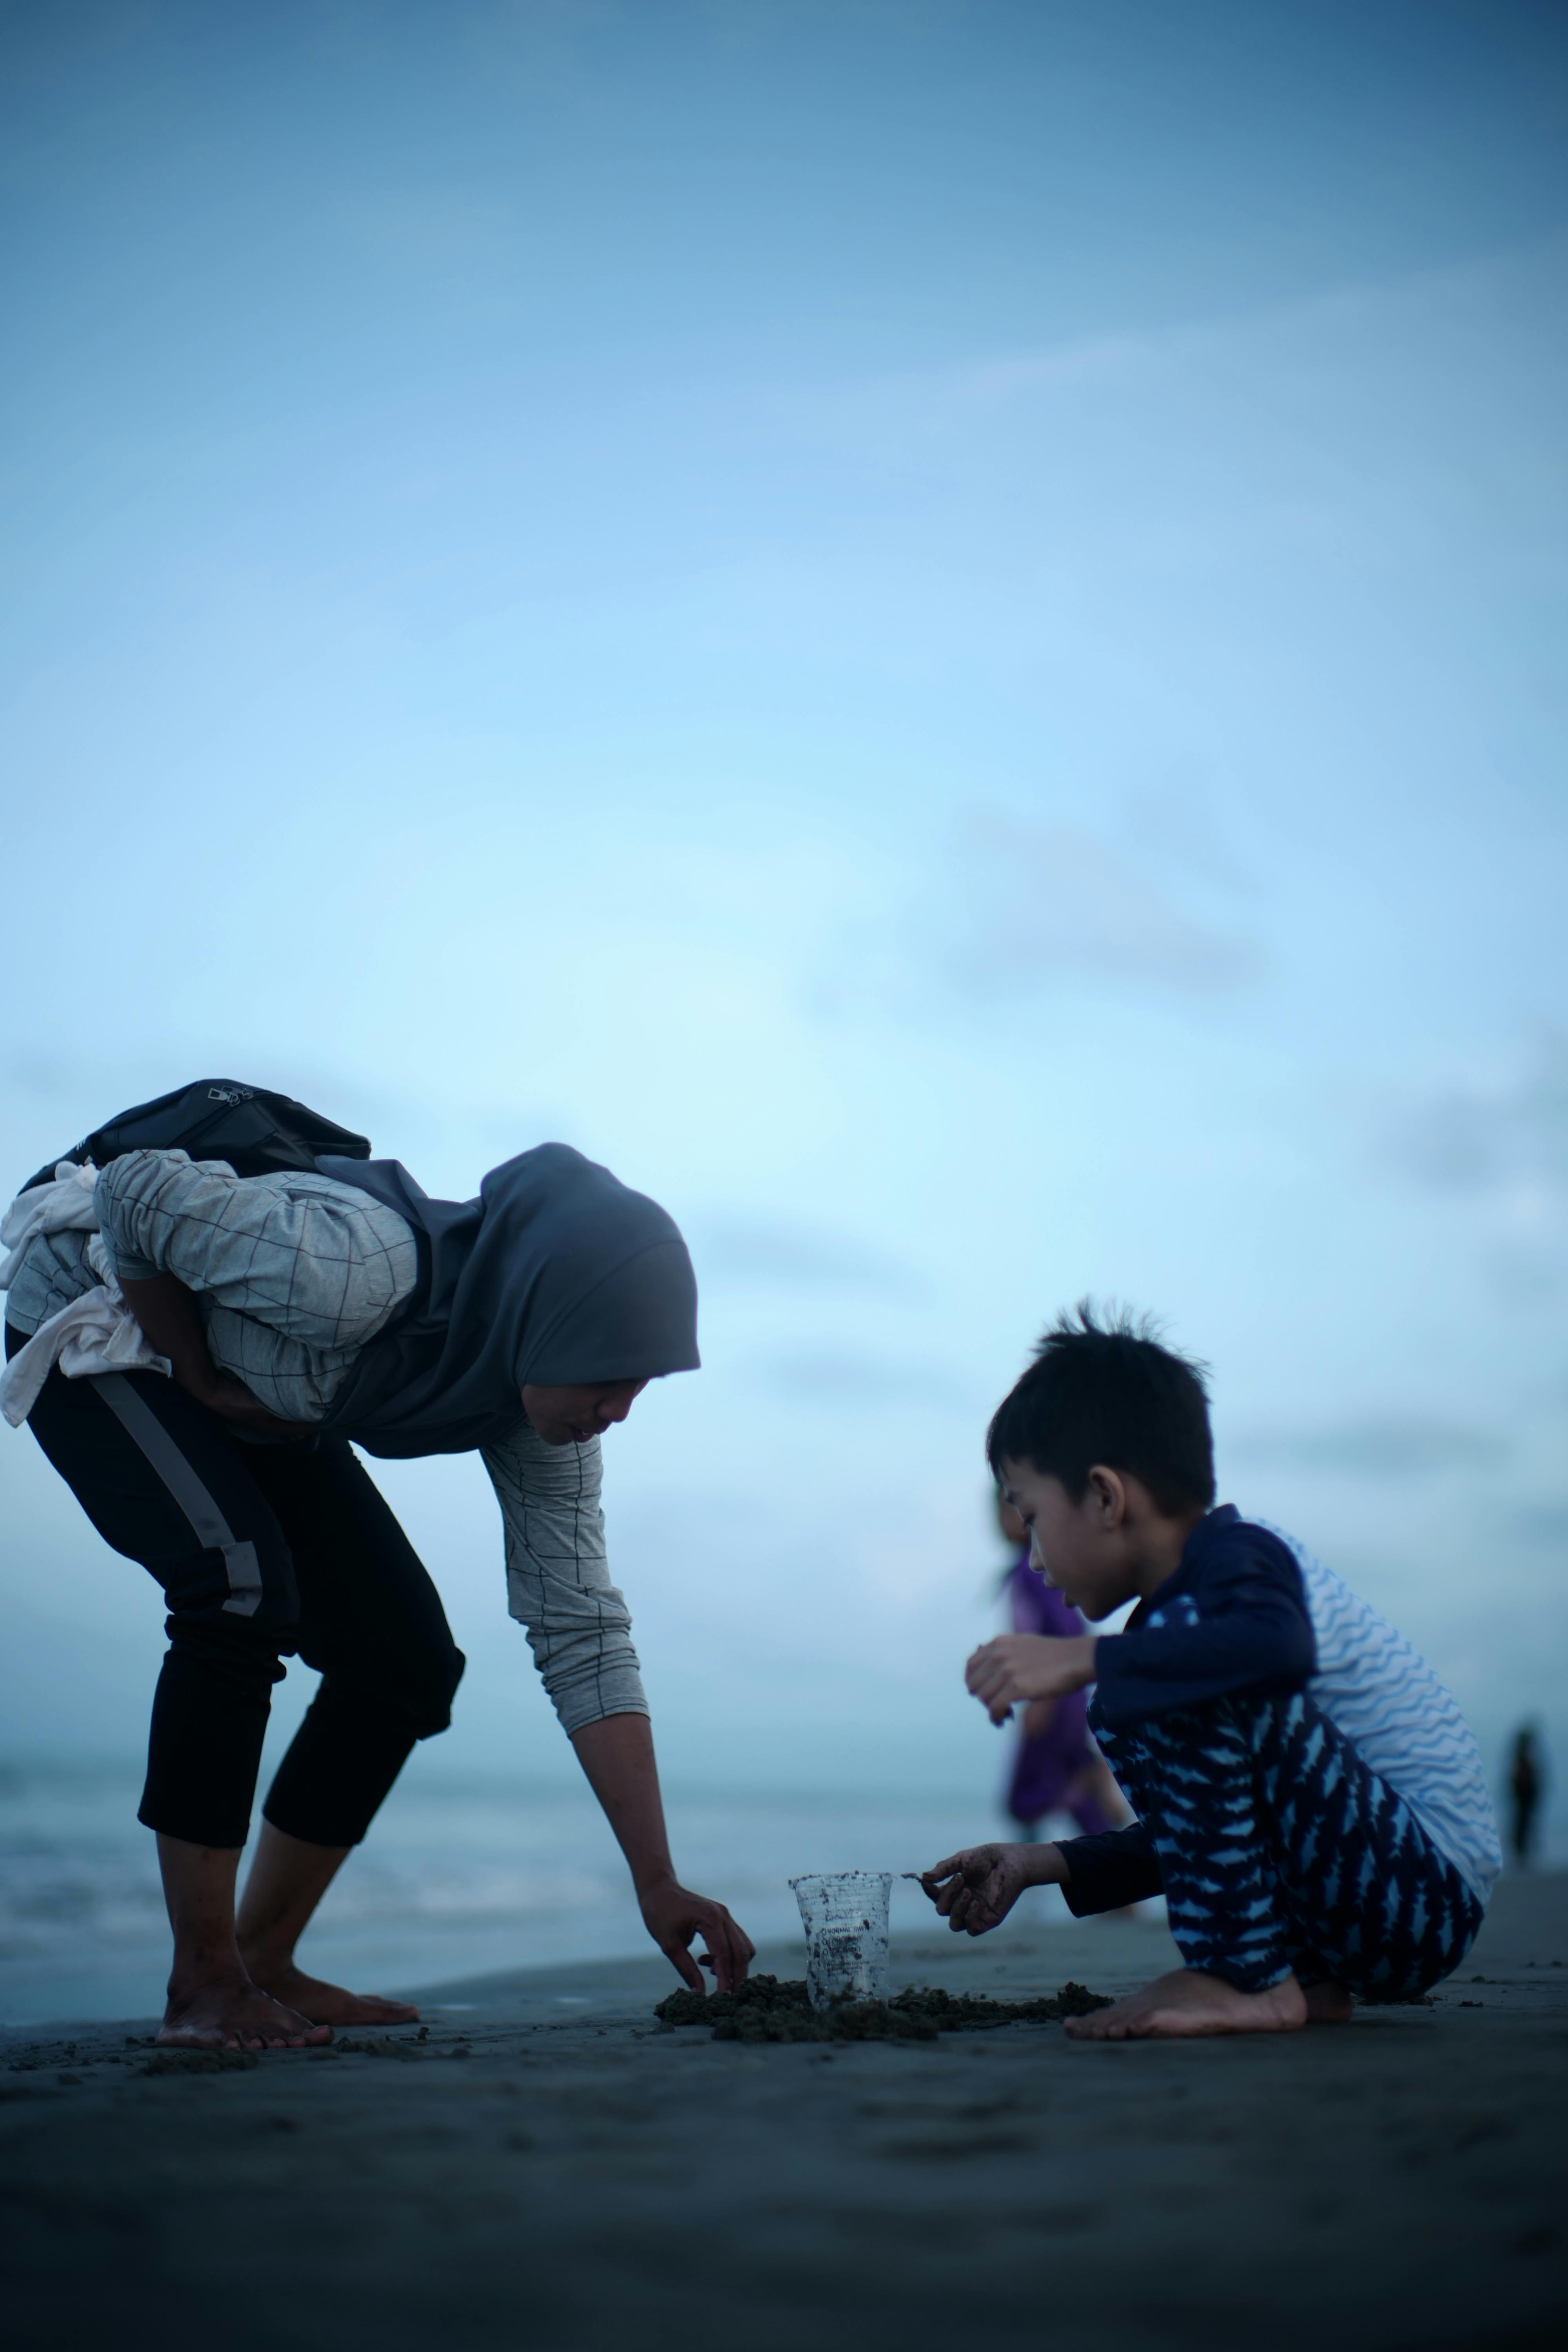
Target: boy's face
{"points": [[1079, 1547]]}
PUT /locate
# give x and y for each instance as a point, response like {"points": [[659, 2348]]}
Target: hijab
{"points": [[557, 1273]]}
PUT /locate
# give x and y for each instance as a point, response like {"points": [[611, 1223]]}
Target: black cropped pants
{"points": [[263, 1552]]}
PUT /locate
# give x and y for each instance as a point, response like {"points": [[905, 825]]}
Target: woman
{"points": [[194, 1351]]}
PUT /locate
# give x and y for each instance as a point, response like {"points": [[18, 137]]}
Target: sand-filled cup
{"points": [[844, 1913]]}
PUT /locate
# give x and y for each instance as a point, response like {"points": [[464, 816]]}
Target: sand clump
{"points": [[764, 2010]]}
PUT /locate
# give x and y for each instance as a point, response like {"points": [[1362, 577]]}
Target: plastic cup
{"points": [[844, 1913]]}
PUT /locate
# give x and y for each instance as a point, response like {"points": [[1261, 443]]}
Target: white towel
{"points": [[64, 1206], [97, 1332]]}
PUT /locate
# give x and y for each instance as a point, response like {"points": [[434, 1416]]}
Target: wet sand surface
{"points": [[549, 2169]]}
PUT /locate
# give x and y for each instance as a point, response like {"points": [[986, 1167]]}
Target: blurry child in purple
{"points": [[1057, 1767]]}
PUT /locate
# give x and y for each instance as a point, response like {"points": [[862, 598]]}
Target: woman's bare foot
{"points": [[329, 2004], [1328, 2003], [287, 1879], [232, 2014], [1187, 2001]]}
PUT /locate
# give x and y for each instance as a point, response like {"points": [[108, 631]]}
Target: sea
{"points": [[459, 1878]]}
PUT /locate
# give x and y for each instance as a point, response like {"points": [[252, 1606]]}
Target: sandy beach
{"points": [[548, 2167]]}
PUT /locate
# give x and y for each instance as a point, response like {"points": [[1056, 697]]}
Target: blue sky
{"points": [[935, 629]]}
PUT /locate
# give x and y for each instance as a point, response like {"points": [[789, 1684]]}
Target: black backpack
{"points": [[256, 1132]]}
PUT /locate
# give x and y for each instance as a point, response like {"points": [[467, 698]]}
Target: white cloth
{"points": [[64, 1206], [97, 1332], [292, 1273]]}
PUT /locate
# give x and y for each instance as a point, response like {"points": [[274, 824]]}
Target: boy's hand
{"points": [[975, 1890], [1028, 1665]]}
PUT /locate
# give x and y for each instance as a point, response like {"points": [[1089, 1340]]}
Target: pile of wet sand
{"points": [[764, 2010]]}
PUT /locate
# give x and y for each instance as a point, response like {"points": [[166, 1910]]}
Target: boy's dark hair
{"points": [[1109, 1393]]}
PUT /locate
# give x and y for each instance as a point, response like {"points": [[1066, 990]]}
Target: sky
{"points": [[936, 629]]}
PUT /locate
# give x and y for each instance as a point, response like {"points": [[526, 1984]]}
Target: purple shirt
{"points": [[1044, 1767]]}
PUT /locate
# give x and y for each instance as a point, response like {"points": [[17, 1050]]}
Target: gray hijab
{"points": [[557, 1273]]}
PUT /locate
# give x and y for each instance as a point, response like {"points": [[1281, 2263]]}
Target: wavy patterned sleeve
{"points": [[558, 1579]]}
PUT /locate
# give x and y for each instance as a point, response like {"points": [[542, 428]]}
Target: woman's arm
{"points": [[616, 1754], [167, 1312], [579, 1629]]}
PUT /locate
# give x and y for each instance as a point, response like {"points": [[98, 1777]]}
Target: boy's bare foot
{"points": [[1187, 2002], [1328, 2003], [235, 2015], [329, 2004]]}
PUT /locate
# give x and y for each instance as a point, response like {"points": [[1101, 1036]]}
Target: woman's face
{"points": [[575, 1410]]}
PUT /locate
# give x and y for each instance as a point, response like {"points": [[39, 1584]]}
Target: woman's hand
{"points": [[975, 1889], [616, 1753], [1028, 1665], [673, 1916], [232, 1402], [169, 1316]]}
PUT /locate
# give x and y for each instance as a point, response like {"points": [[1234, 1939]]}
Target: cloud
{"points": [[1507, 1137], [1005, 910], [1525, 1276], [1038, 901], [1501, 1146], [836, 1378], [1391, 1447], [1080, 907], [1543, 1523], [798, 1257]]}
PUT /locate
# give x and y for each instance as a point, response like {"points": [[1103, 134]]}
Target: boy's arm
{"points": [[975, 1888], [1106, 1872], [1240, 1624], [1024, 1666]]}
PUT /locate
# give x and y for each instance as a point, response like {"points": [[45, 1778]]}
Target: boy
{"points": [[1308, 1797]]}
